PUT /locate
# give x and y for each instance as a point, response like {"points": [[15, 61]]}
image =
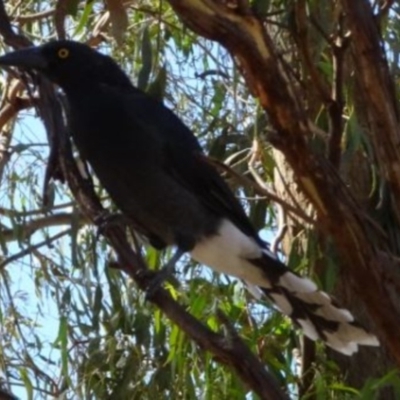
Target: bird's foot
{"points": [[164, 274], [108, 220]]}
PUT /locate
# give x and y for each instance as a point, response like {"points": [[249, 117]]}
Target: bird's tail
{"points": [[311, 309], [232, 252]]}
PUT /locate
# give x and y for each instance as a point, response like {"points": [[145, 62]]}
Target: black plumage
{"points": [[153, 167]]}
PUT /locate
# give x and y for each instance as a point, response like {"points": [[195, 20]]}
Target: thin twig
{"points": [[261, 190], [10, 37], [16, 213], [59, 17], [29, 249], [29, 18], [335, 109], [282, 229], [27, 229], [301, 38]]}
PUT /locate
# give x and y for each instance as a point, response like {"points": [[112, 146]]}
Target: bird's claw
{"points": [[157, 280], [107, 220], [164, 274]]}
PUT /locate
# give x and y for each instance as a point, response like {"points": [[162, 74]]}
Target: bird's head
{"points": [[67, 63]]}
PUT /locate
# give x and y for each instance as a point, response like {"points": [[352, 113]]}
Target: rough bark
{"points": [[362, 246]]}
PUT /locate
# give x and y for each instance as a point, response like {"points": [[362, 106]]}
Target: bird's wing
{"points": [[184, 160], [237, 250]]}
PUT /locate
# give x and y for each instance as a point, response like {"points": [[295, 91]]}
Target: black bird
{"points": [[154, 169]]}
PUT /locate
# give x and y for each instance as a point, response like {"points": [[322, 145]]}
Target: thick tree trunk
{"points": [[363, 246]]}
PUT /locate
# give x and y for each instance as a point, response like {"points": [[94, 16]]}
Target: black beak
{"points": [[30, 58]]}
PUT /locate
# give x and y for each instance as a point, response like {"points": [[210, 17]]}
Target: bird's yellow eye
{"points": [[63, 53]]}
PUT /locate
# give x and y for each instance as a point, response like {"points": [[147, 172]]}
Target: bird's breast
{"points": [[105, 132]]}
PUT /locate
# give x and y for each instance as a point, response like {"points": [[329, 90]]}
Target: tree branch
{"points": [[59, 17], [301, 38], [378, 90], [339, 215], [27, 229], [30, 248], [10, 37], [335, 109]]}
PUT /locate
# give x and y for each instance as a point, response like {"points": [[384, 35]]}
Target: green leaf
{"points": [[147, 60], [97, 307], [24, 375], [62, 342], [156, 88], [84, 18]]}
